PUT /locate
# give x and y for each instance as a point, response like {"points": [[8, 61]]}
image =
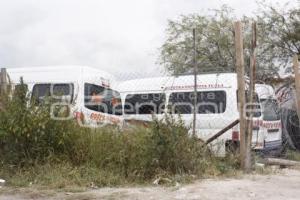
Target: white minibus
{"points": [[88, 93], [217, 105], [271, 124]]}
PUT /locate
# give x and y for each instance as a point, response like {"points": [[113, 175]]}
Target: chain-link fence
{"points": [[290, 122], [216, 109], [95, 102]]}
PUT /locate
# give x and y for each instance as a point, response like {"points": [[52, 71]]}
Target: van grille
{"points": [[273, 130]]}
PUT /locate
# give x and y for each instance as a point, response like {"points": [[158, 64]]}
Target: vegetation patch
{"points": [[36, 150]]}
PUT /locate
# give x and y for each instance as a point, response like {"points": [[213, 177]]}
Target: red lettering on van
{"points": [[271, 125], [98, 117]]}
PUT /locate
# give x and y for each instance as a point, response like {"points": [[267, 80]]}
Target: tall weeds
{"points": [[35, 148]]}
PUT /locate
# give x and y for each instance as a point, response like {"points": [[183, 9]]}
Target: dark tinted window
{"points": [[270, 110], [207, 102], [62, 89], [102, 99], [40, 91], [151, 103]]}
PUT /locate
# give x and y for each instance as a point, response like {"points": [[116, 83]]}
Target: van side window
{"points": [[207, 102], [62, 89], [40, 91], [149, 103], [270, 110], [101, 99]]}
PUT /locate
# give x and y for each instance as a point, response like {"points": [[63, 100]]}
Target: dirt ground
{"points": [[284, 184]]}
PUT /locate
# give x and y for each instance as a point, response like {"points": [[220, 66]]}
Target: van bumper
{"points": [[272, 148]]}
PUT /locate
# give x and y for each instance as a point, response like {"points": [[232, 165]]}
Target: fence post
{"points": [[195, 82], [244, 158], [251, 97], [3, 81], [297, 83]]}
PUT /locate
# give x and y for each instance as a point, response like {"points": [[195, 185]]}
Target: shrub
{"points": [[27, 134], [33, 147], [142, 153]]}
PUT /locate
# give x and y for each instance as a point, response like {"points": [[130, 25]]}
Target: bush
{"points": [[35, 148], [142, 153], [27, 134]]}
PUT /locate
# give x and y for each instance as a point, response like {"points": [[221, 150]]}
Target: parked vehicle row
{"points": [[95, 98]]}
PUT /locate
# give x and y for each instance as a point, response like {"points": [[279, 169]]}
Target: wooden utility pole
{"points": [[195, 82], [251, 95], [239, 51], [3, 81], [297, 83]]}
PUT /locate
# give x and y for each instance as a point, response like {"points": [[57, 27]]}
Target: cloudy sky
{"points": [[120, 36]]}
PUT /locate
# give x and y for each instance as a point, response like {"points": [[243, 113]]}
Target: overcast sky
{"points": [[119, 36]]}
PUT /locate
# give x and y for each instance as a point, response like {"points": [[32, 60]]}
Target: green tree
{"points": [[215, 41], [279, 30]]}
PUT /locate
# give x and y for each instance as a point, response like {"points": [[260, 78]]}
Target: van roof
{"points": [[265, 91], [63, 73], [205, 81]]}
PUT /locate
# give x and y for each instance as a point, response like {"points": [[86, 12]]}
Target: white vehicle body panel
{"points": [[271, 126], [207, 124], [76, 75]]}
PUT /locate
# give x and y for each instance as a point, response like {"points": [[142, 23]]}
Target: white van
{"points": [[87, 92], [271, 125], [217, 104]]}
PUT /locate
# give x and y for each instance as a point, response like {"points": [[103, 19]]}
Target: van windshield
{"points": [[148, 103], [102, 99], [209, 102], [55, 91], [270, 110]]}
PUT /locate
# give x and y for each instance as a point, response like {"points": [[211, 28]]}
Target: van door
{"points": [[271, 124], [102, 106]]}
